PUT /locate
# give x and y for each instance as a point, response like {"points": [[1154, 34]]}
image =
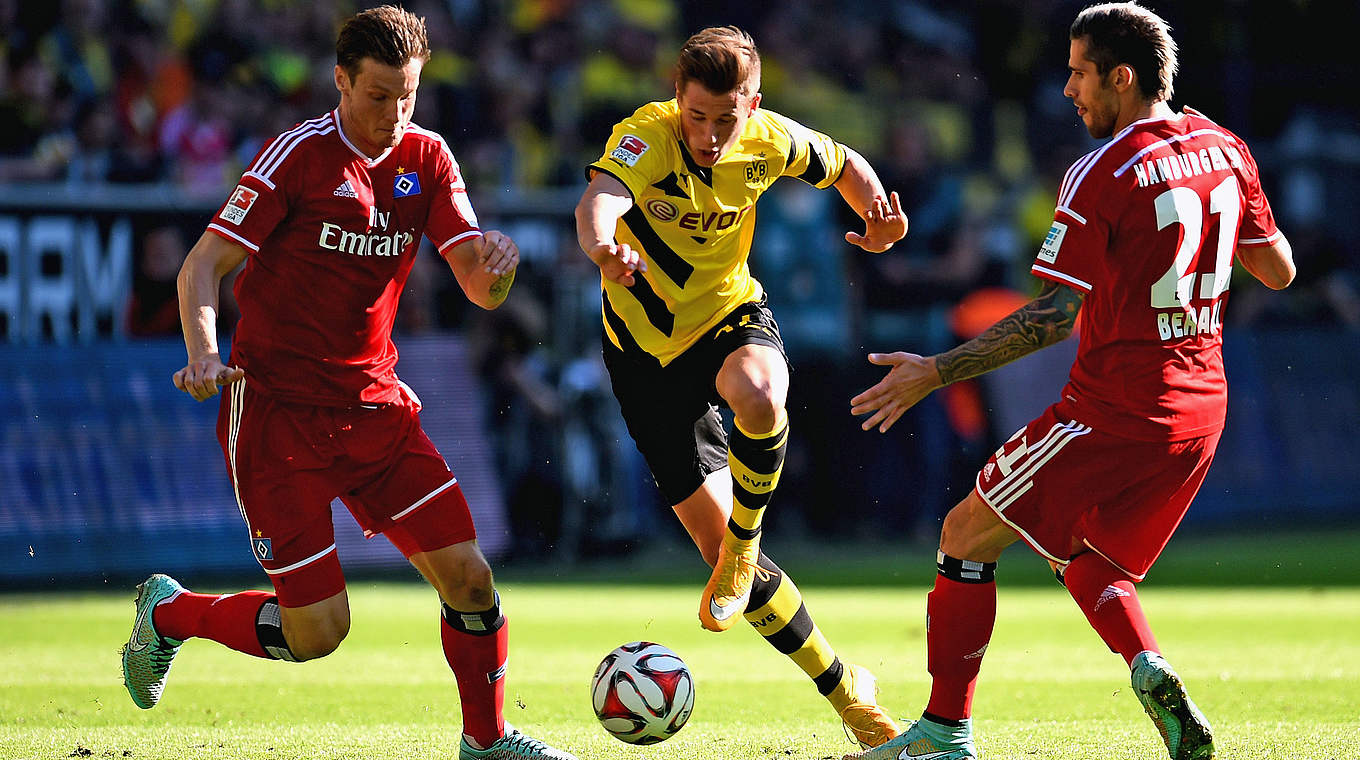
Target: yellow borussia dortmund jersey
{"points": [[694, 225]]}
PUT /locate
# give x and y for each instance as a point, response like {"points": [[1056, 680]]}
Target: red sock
{"points": [[228, 619], [478, 663], [959, 620], [1107, 597]]}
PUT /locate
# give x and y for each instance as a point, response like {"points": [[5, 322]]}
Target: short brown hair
{"points": [[387, 34], [1128, 33], [722, 59]]}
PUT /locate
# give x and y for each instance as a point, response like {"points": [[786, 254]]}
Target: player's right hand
{"points": [[617, 262], [202, 377], [911, 379]]}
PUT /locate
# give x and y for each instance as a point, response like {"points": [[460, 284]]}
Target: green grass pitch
{"points": [[1275, 665]]}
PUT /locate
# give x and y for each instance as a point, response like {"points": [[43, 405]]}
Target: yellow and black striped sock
{"points": [[777, 612], [756, 462]]}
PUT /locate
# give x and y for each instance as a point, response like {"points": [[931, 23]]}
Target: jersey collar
{"points": [[704, 173], [368, 162], [1174, 118]]}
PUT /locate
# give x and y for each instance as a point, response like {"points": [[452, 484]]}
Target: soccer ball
{"points": [[642, 693]]}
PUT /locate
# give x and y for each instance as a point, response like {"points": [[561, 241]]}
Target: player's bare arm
{"points": [[200, 278], [1046, 320], [1272, 264], [484, 267], [884, 221], [597, 217]]}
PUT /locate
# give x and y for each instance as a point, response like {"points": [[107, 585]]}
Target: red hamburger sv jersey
{"points": [[1146, 226], [332, 236]]}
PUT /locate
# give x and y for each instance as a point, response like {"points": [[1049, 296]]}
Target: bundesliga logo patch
{"points": [[405, 184], [239, 204], [630, 149]]}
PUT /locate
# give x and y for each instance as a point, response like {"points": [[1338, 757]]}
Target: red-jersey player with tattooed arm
{"points": [[1142, 244], [328, 221]]}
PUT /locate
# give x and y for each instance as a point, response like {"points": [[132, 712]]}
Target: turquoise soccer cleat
{"points": [[1183, 727], [513, 746], [147, 655], [923, 741]]}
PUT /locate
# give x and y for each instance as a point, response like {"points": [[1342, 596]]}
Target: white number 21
{"points": [[1181, 205]]}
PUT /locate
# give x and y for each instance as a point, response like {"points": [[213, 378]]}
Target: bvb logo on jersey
{"points": [[663, 210], [757, 170]]}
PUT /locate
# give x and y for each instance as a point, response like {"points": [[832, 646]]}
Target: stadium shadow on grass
{"points": [[1279, 558], [1276, 559]]}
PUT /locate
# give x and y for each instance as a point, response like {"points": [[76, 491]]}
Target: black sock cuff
{"points": [[765, 584], [933, 718], [484, 623], [830, 678], [965, 570], [269, 630], [762, 456], [745, 534]]}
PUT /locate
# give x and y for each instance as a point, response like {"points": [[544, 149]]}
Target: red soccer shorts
{"points": [[288, 462], [1058, 480]]}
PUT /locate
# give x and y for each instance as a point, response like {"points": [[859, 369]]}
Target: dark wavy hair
{"points": [[387, 34], [1129, 34]]}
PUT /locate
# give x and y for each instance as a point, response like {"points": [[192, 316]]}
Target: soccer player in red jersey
{"points": [[328, 221], [1142, 243]]}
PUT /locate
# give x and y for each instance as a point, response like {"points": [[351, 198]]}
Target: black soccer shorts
{"points": [[672, 412]]}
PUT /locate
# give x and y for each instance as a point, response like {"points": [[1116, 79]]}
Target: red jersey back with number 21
{"points": [[1146, 226]]}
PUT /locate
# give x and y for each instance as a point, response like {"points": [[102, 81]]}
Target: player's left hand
{"points": [[884, 224], [911, 379], [496, 252]]}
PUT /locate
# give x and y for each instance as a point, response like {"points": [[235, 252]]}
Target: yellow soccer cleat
{"points": [[729, 587], [856, 701]]}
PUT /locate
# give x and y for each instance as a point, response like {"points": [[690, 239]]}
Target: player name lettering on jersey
{"points": [[336, 238], [1151, 171], [1182, 324]]}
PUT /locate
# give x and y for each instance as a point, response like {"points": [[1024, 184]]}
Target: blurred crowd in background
{"points": [[958, 105]]}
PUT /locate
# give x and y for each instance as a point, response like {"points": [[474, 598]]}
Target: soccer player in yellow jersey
{"points": [[669, 216]]}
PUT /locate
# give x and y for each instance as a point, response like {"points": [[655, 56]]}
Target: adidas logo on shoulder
{"points": [[346, 190]]}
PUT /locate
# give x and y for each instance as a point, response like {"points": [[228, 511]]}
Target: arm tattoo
{"points": [[501, 288], [1046, 320]]}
